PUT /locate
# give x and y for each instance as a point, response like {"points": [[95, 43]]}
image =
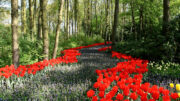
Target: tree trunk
{"points": [[101, 24], [40, 36], [14, 26], [119, 33], [165, 17], [69, 31], [141, 20], [88, 17], [58, 27], [111, 18], [96, 15], [65, 14], [72, 24], [23, 17], [85, 17], [123, 22], [106, 19], [116, 12], [45, 28], [67, 18], [133, 20], [72, 16], [35, 16], [91, 18], [31, 22], [75, 15]]}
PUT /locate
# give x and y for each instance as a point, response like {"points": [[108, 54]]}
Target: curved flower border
{"points": [[69, 57], [124, 79], [123, 82]]}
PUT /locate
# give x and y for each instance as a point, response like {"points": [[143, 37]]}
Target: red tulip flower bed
{"points": [[105, 48], [120, 83], [69, 57], [123, 82]]}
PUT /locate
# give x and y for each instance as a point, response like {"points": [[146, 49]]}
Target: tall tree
{"points": [[35, 15], [106, 19], [58, 27], [71, 17], [165, 16], [40, 36], [95, 8], [31, 24], [123, 21], [91, 17], [67, 18], [101, 24], [141, 19], [114, 30], [43, 4], [85, 16], [65, 14], [14, 26], [23, 16], [87, 20], [75, 14], [133, 19]]}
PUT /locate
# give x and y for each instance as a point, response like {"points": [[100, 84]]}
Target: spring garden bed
{"points": [[64, 79]]}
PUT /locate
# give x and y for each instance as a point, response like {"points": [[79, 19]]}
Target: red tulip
{"points": [[96, 84], [165, 92], [144, 98], [6, 75], [98, 71], [102, 87], [151, 100], [156, 95], [103, 99], [166, 98], [126, 92], [101, 94], [161, 89], [115, 89], [133, 96], [23, 73], [174, 96], [90, 93], [119, 97], [140, 92], [94, 98]]}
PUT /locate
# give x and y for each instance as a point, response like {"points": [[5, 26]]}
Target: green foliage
{"points": [[31, 51], [5, 45], [164, 69], [80, 40], [141, 49], [154, 45], [175, 36]]}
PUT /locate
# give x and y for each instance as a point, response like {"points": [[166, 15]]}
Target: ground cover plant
{"points": [[15, 82], [120, 82], [123, 82], [48, 43]]}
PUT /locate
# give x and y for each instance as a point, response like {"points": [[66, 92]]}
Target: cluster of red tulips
{"points": [[96, 44], [123, 83], [69, 57], [105, 48]]}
